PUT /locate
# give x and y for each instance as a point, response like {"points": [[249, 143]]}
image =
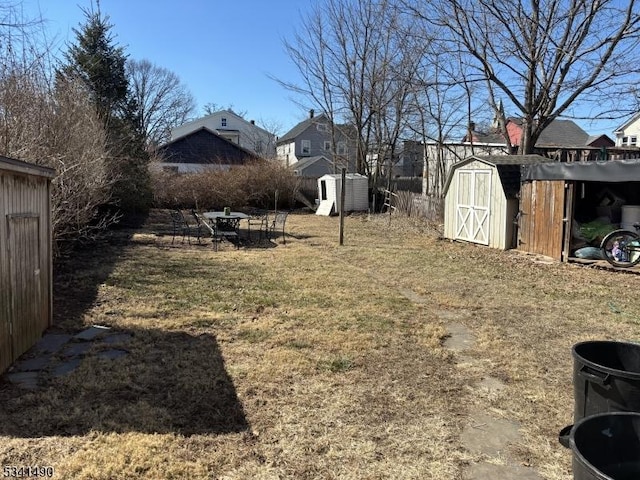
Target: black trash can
{"points": [[606, 378], [606, 447]]}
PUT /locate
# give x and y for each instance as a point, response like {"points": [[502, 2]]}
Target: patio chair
{"points": [[258, 221], [200, 226], [180, 226], [277, 224]]}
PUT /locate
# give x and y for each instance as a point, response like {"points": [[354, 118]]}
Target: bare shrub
{"points": [[251, 185], [58, 129]]}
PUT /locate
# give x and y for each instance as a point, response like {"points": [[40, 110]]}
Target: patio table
{"points": [[225, 226]]}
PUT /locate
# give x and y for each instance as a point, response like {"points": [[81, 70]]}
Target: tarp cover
{"points": [[611, 171]]}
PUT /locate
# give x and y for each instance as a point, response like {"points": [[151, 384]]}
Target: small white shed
{"points": [[481, 199], [356, 193]]}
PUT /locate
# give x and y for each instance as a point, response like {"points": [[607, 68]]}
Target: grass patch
{"points": [[312, 360]]}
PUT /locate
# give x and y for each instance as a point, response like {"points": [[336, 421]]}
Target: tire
{"points": [[627, 251]]}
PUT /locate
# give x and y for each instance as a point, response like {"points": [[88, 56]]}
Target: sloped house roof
{"points": [[203, 146]]}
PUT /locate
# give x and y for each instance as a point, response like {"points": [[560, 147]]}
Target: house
{"points": [[312, 138], [628, 133], [26, 292], [558, 134], [234, 128], [313, 167], [202, 149], [408, 160]]}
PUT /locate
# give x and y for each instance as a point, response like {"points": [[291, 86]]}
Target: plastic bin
{"points": [[606, 447]]}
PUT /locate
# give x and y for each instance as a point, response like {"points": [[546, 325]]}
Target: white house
{"points": [[628, 133], [234, 128]]}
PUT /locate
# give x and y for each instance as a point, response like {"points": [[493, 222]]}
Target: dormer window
{"points": [[223, 121]]}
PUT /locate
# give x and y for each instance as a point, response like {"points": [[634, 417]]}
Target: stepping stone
{"points": [[413, 296], [112, 354], [92, 332], [76, 349], [460, 338], [484, 471], [117, 338], [32, 364], [27, 380], [66, 367], [51, 343], [491, 385], [489, 435]]}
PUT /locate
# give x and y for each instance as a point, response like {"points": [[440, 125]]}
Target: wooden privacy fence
{"points": [[25, 257]]}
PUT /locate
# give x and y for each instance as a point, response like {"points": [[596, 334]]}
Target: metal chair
{"points": [[278, 224], [258, 220], [180, 225], [200, 226]]}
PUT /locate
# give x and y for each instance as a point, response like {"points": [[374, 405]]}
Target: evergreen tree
{"points": [[97, 60]]}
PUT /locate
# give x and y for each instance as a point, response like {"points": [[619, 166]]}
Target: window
{"points": [[625, 140], [223, 121], [322, 127], [342, 148], [633, 141], [327, 145], [306, 147]]}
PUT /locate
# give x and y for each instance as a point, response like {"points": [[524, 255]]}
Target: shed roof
{"points": [[508, 166], [615, 171], [13, 165]]}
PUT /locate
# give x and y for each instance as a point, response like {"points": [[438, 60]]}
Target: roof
{"points": [[13, 165], [305, 162], [627, 123], [508, 166], [615, 171], [301, 127], [563, 133], [204, 146], [225, 112]]}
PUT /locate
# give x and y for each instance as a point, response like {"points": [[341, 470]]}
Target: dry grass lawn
{"points": [[311, 360]]}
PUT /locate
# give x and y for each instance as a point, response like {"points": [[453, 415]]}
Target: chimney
{"points": [[253, 122], [311, 112], [472, 126]]}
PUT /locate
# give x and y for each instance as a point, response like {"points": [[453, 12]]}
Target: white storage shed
{"points": [[481, 199], [356, 193]]}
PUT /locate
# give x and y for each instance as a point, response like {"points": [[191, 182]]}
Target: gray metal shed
{"points": [[25, 256]]}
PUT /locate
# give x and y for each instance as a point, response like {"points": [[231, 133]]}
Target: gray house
{"points": [[313, 138]]}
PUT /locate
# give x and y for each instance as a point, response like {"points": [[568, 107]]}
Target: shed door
{"points": [[472, 206], [26, 319]]}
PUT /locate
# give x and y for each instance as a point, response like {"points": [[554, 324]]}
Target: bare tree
{"points": [[343, 54], [163, 101], [547, 58]]}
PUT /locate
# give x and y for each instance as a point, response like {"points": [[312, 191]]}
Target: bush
{"points": [[252, 185]]}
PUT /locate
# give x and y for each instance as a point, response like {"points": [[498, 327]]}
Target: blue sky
{"points": [[222, 50]]}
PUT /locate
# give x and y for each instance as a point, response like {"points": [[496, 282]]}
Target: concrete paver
{"points": [[487, 471]]}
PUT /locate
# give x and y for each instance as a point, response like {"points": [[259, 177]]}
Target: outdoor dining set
{"points": [[238, 228]]}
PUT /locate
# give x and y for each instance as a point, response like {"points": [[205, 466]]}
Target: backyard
{"points": [[314, 360]]}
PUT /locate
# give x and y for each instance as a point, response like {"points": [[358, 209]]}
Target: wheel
{"points": [[621, 248]]}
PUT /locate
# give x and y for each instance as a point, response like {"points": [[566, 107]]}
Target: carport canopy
{"points": [[610, 171]]}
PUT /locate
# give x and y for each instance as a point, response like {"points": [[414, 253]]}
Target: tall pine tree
{"points": [[99, 63]]}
